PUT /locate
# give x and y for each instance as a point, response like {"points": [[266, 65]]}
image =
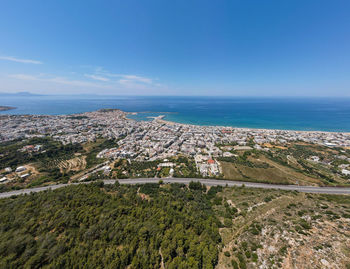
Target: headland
{"points": [[5, 108]]}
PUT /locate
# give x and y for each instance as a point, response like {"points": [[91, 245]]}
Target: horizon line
{"points": [[18, 94]]}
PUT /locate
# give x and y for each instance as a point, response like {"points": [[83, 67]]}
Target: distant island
{"points": [[18, 94], [4, 108]]}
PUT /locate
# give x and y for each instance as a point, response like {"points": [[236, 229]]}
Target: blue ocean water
{"points": [[324, 114]]}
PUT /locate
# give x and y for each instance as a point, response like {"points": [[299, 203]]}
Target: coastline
{"points": [[6, 108], [162, 120], [253, 113]]}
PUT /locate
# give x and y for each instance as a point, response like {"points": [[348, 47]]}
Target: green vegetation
{"points": [[49, 164], [95, 148], [243, 160], [290, 164], [133, 169], [186, 167], [183, 167], [44, 161], [10, 156], [264, 222], [96, 226], [287, 164], [326, 170], [172, 225]]}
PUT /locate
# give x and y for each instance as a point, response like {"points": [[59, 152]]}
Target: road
{"points": [[208, 182]]}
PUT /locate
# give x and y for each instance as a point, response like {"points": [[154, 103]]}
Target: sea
{"points": [[306, 114]]}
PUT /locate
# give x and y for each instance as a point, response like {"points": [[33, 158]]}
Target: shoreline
{"points": [[6, 108], [162, 120]]}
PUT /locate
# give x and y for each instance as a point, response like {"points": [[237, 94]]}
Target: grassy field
{"points": [[275, 173], [289, 165]]}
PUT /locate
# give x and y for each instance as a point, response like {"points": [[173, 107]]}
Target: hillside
{"points": [[174, 226], [109, 227]]}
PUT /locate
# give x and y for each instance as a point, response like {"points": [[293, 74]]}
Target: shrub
{"points": [[217, 200], [283, 250], [196, 186], [228, 223], [303, 223], [99, 183], [227, 254], [255, 228], [235, 264], [268, 199], [254, 257]]}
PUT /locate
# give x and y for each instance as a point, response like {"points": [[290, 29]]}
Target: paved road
{"points": [[208, 182]]}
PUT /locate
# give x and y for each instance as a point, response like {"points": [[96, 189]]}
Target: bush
{"points": [[234, 264], [268, 199], [254, 257], [149, 188], [283, 250], [99, 183], [196, 186], [303, 223], [228, 223], [255, 228], [217, 200]]}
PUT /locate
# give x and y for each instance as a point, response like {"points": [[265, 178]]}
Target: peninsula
{"points": [[5, 108]]}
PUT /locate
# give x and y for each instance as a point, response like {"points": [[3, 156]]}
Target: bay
{"points": [[320, 114]]}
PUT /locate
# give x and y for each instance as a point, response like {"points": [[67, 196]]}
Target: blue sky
{"points": [[229, 48]]}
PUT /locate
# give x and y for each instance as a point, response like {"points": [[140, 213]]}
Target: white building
{"points": [[20, 169], [345, 172]]}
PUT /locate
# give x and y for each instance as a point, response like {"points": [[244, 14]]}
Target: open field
{"points": [[74, 164], [273, 173], [291, 164]]}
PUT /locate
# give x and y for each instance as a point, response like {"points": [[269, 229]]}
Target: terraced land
{"points": [[75, 164]]}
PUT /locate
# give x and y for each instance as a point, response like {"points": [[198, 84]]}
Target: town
{"points": [[159, 139]]}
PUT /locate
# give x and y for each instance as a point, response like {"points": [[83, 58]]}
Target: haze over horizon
{"points": [[197, 48]]}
